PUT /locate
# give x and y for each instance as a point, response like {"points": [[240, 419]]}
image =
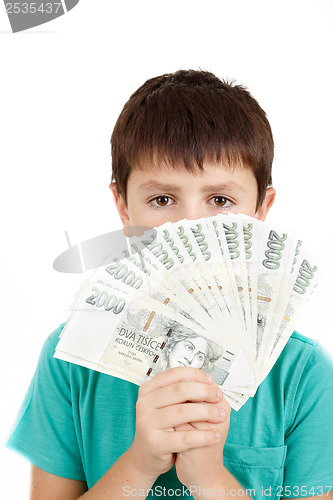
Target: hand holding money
{"points": [[202, 467], [222, 294], [171, 400]]}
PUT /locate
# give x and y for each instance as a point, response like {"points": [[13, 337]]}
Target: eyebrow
{"points": [[228, 186], [159, 186], [147, 186]]}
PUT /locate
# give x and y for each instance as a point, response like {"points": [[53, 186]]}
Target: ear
{"points": [[120, 204], [266, 204]]}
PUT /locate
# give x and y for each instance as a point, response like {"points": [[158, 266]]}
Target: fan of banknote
{"points": [[222, 294]]}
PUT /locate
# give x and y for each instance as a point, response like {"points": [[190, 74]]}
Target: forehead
{"points": [[198, 343], [166, 177]]}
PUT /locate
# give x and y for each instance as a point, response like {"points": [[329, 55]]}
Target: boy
{"points": [[186, 145]]}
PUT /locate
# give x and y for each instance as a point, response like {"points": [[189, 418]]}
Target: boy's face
{"points": [[165, 194]]}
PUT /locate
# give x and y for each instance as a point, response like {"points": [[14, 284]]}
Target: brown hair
{"points": [[186, 118]]}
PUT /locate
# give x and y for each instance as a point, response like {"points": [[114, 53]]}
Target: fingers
{"points": [[174, 375], [178, 398], [183, 398], [224, 410], [174, 391], [177, 415], [182, 392], [186, 427], [179, 392], [181, 441]]}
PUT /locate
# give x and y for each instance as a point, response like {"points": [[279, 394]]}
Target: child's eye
{"points": [[221, 202], [160, 201]]}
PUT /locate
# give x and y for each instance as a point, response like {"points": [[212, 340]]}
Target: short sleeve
{"points": [[309, 438], [44, 431]]}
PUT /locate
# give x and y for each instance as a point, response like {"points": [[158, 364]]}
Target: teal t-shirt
{"points": [[76, 422]]}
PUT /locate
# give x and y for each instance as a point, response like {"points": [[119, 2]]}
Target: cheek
{"points": [[139, 217], [247, 207], [175, 356], [197, 363], [141, 214], [177, 351]]}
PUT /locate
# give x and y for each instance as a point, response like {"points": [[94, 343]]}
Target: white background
{"points": [[62, 87]]}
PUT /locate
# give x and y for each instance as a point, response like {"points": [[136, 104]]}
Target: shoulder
{"points": [[52, 340], [48, 365], [46, 420], [303, 353], [307, 356], [309, 413], [308, 374], [302, 377]]}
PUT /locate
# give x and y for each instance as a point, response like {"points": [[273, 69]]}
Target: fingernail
{"points": [[217, 435], [222, 413], [219, 394], [209, 378]]}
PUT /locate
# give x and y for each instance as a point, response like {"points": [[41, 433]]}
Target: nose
{"points": [[192, 211], [188, 359]]}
